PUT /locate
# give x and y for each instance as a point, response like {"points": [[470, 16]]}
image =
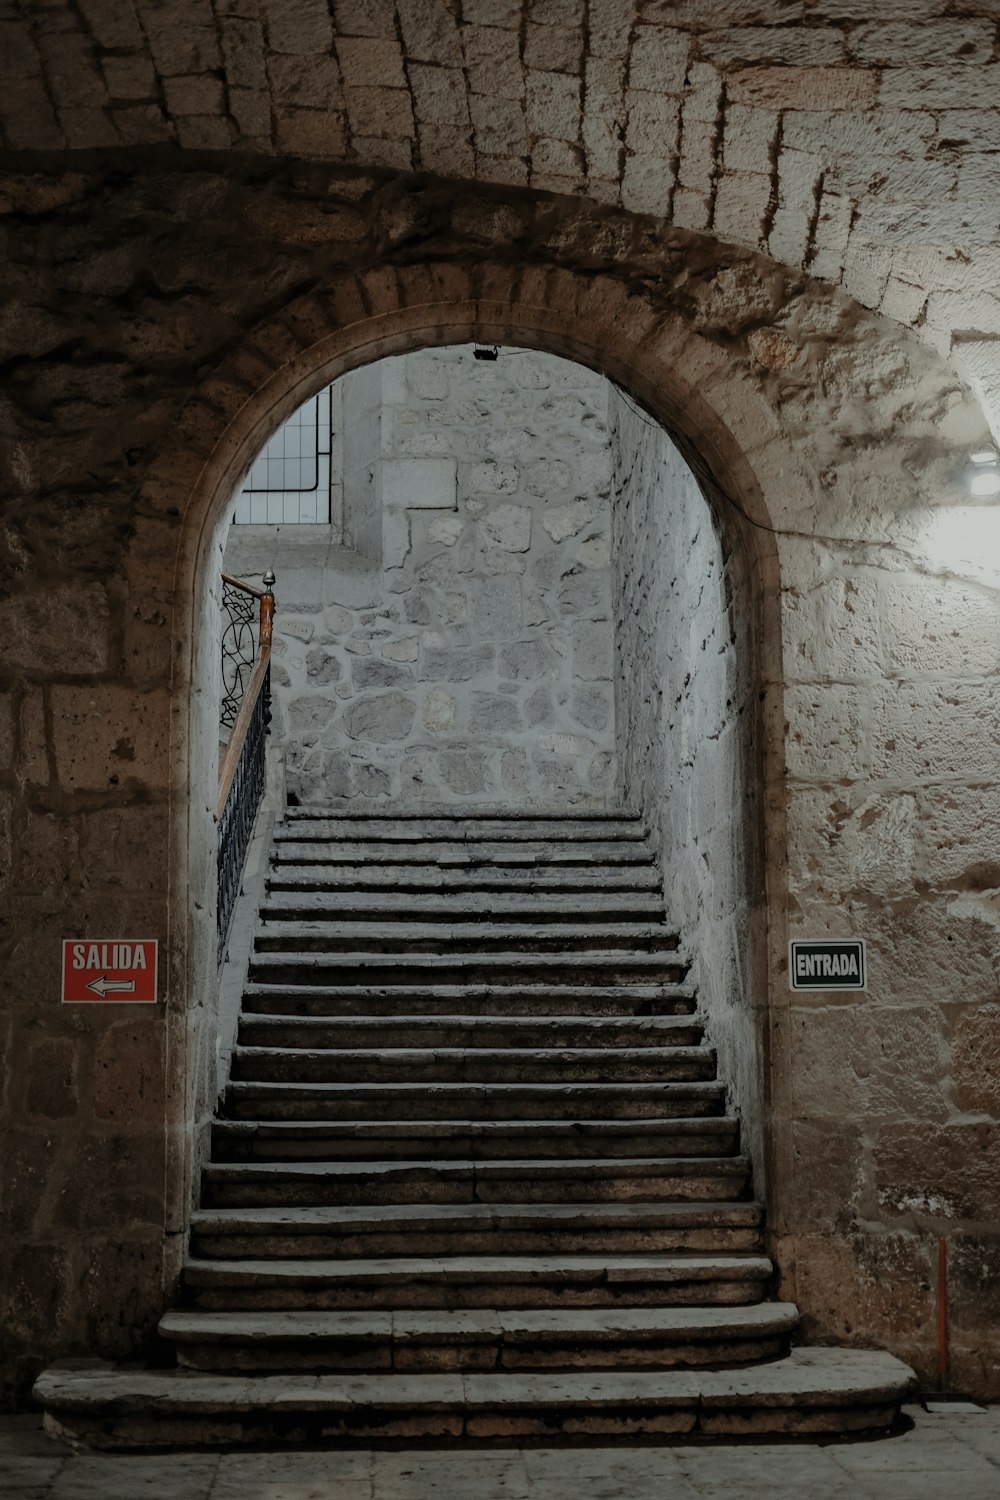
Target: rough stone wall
{"points": [[160, 317], [473, 658], [854, 140], [891, 664], [686, 727]]}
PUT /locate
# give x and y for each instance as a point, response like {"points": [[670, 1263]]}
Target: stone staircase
{"points": [[473, 1176]]}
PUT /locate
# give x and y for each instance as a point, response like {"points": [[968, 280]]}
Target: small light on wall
{"points": [[984, 474]]}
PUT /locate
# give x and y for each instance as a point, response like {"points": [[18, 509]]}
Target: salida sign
{"points": [[119, 969]]}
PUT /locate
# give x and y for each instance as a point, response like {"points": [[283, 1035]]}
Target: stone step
{"points": [[454, 939], [297, 848], [464, 907], [459, 827], [473, 1064], [263, 1100], [420, 1229], [375, 968], [465, 999], [495, 813], [469, 1031], [260, 1184], [557, 1338], [812, 1393], [480, 1140], [478, 1281], [455, 879]]}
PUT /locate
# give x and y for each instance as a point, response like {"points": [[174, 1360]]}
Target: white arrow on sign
{"points": [[105, 986]]}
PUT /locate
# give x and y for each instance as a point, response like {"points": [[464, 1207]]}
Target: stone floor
{"points": [[943, 1457]]}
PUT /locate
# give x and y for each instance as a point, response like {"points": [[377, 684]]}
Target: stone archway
{"points": [[767, 405], [614, 352]]}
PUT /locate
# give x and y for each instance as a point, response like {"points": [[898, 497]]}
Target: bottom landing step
{"points": [[812, 1392]]}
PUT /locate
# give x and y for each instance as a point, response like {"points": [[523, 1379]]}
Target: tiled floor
{"points": [[943, 1457]]}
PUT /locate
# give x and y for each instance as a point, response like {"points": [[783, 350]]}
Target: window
{"points": [[290, 481]]}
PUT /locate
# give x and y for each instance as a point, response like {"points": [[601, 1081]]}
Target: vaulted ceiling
{"points": [[856, 139]]}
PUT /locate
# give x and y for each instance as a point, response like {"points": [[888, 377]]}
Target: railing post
{"points": [[267, 609]]}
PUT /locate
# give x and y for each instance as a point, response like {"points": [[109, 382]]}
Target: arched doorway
{"points": [[720, 886]]}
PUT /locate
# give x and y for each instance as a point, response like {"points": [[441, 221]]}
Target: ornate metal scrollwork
{"points": [[240, 636]]}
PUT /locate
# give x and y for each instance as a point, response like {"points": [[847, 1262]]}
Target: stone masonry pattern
{"points": [[158, 310], [857, 141], [476, 661]]}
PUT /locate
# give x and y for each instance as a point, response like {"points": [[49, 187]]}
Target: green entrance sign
{"points": [[828, 964]]}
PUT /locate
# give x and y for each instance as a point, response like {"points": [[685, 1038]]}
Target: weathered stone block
{"points": [[383, 720], [33, 746], [931, 626], [324, 773], [659, 59], [941, 1172], [337, 620], [829, 732], [930, 731], [495, 613], [526, 660], [820, 87], [493, 478], [298, 630], [592, 706], [110, 736], [323, 666], [853, 1060], [407, 649], [440, 711], [593, 651], [832, 631], [446, 530], [975, 1048], [491, 713], [128, 1072], [419, 483], [509, 526], [52, 1090], [58, 629], [456, 664], [828, 1168], [308, 717], [872, 1288], [900, 44], [121, 1175], [583, 592], [463, 771], [368, 674], [372, 781], [958, 838], [563, 521]]}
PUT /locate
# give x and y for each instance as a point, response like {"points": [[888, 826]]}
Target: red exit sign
{"points": [[117, 969]]}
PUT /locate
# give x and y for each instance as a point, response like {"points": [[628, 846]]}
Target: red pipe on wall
{"points": [[942, 1314]]}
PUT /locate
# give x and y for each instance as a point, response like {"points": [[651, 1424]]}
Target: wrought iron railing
{"points": [[243, 770], [240, 644]]}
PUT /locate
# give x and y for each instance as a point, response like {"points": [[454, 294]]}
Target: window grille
{"points": [[289, 483]]}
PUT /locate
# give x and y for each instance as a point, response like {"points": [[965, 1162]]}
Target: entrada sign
{"points": [[828, 964], [118, 969]]}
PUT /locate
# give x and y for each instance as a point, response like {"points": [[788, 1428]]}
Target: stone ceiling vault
{"points": [[856, 139]]}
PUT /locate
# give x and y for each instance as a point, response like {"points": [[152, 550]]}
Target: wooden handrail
{"points": [[241, 583], [231, 758]]}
